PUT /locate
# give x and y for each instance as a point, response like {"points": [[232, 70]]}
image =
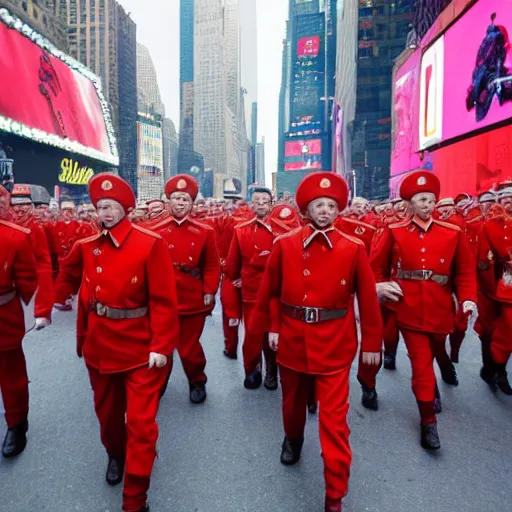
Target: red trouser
{"points": [[190, 349], [458, 335], [254, 343], [332, 393], [14, 386], [501, 344], [391, 331], [136, 394], [230, 334]]}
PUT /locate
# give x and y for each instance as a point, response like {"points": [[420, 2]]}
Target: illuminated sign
{"points": [[72, 174], [302, 155]]}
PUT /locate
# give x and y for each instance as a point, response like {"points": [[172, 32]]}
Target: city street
{"points": [[223, 456]]}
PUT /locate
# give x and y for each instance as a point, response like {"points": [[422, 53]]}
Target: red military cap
{"points": [[182, 183], [419, 182], [447, 201], [285, 213], [107, 185], [321, 184], [462, 197], [21, 194]]}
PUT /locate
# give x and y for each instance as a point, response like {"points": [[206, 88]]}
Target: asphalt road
{"points": [[223, 456]]}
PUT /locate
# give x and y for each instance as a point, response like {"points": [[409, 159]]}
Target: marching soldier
{"points": [[193, 251], [127, 329], [314, 272], [247, 258], [418, 264], [18, 283]]}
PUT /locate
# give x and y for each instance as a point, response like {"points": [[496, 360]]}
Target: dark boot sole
{"points": [[429, 447], [11, 455]]}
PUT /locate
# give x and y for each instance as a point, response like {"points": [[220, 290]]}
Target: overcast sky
{"points": [[158, 29]]}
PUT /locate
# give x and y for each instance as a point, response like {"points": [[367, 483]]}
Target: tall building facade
{"points": [[127, 71], [260, 162], [148, 92], [377, 32], [40, 15], [170, 148], [150, 157], [307, 92]]}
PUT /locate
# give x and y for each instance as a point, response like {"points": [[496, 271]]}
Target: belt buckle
{"points": [[311, 315], [101, 310], [427, 274]]}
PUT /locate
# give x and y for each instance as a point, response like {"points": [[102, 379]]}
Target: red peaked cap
{"points": [[182, 183], [321, 184], [107, 185], [418, 182], [285, 213]]}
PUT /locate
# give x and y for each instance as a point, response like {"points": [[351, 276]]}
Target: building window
{"points": [[24, 5], [35, 13]]}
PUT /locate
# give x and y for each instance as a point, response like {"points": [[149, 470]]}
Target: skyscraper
{"points": [[170, 148], [41, 18], [148, 92], [260, 162]]}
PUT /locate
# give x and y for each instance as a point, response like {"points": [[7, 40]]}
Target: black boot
{"points": [[389, 360], [312, 409], [370, 399], [438, 407], [449, 374], [197, 392], [229, 355], [271, 377], [290, 453], [430, 437], [145, 508], [115, 471], [15, 440], [502, 379], [253, 380], [488, 375]]}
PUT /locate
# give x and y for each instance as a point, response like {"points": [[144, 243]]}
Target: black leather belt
{"points": [[422, 275], [195, 272], [312, 315], [118, 313], [5, 298]]}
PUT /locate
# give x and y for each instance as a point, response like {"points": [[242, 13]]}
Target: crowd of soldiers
{"points": [[314, 279]]}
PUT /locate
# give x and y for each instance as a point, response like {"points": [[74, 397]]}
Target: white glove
{"points": [[157, 360], [41, 323], [208, 299], [470, 307], [273, 340], [389, 291]]}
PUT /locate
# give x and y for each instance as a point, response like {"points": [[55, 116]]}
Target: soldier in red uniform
{"points": [[418, 264], [127, 329], [494, 264], [247, 258], [193, 251], [18, 282], [314, 272], [359, 208]]}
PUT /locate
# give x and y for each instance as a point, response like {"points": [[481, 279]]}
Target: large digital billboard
{"points": [[474, 89], [49, 97], [303, 155], [150, 149]]}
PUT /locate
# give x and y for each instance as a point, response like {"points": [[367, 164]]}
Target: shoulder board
{"points": [[246, 223], [201, 224], [401, 224], [148, 232], [158, 225], [360, 223], [288, 234], [475, 219], [90, 238], [15, 227], [447, 225], [350, 238]]}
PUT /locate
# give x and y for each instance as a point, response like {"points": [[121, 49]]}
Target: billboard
{"points": [[303, 155], [150, 149], [49, 97], [307, 46], [476, 88]]}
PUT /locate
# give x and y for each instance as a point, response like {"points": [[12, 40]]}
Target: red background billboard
{"points": [[308, 46], [42, 92], [303, 155]]}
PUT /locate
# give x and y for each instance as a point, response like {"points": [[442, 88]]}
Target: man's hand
{"points": [[372, 358], [389, 291], [208, 299], [237, 283], [273, 340], [41, 323], [157, 360], [234, 322], [471, 309]]}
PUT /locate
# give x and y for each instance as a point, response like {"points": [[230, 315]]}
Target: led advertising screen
{"points": [[475, 91], [303, 155], [150, 150], [50, 98], [307, 46]]}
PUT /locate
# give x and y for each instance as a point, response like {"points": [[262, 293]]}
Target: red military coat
{"points": [[17, 272], [44, 300], [309, 271], [440, 248], [358, 229], [126, 267], [193, 251], [248, 255]]}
